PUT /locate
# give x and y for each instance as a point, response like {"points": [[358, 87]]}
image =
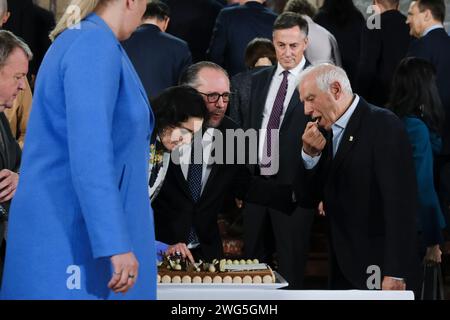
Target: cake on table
{"points": [[175, 269]]}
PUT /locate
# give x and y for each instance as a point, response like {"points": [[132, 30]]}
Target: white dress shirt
{"points": [[428, 30], [293, 81], [185, 156]]}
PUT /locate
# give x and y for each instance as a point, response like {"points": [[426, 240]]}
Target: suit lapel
{"points": [[350, 135], [178, 173], [260, 104], [294, 103]]}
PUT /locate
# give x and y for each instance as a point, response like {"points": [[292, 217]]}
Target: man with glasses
{"points": [[194, 188]]}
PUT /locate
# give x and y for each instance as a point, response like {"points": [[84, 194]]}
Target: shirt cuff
{"points": [[310, 162]]}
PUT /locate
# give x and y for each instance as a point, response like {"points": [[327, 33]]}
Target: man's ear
{"points": [[5, 17], [131, 4], [166, 24], [336, 90], [428, 16]]}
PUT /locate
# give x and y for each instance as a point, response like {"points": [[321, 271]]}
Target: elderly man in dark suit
{"points": [[158, 57], [15, 56], [235, 27], [381, 51], [277, 113], [425, 19], [357, 159]]}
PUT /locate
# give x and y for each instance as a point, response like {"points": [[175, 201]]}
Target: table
{"points": [[261, 294]]}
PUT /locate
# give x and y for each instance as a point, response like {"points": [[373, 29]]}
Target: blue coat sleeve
{"points": [[91, 72], [430, 214]]}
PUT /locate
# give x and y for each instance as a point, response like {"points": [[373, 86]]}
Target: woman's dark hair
{"points": [[300, 7], [176, 105], [341, 12], [259, 48], [414, 93]]}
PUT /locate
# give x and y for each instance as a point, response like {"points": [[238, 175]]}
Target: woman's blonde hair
{"points": [[76, 11]]}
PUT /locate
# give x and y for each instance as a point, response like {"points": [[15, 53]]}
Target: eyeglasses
{"points": [[214, 96]]}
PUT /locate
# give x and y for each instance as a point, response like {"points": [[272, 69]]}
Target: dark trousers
{"points": [[267, 230]]}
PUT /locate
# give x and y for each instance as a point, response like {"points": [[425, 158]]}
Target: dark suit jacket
{"points": [[44, 24], [159, 58], [348, 37], [235, 27], [10, 151], [381, 52], [239, 106], [193, 21], [175, 212], [370, 196], [435, 47], [33, 24], [272, 192]]}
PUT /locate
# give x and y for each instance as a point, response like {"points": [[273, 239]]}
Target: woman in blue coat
{"points": [[415, 99], [81, 226]]}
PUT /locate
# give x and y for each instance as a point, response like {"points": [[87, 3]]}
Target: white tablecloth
{"points": [[261, 294]]}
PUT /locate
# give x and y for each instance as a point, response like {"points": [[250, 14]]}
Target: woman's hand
{"points": [[125, 272]]}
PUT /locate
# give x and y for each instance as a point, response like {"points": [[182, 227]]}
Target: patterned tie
{"points": [[194, 179], [274, 123]]}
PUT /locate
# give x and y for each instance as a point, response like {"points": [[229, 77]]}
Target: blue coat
{"points": [[82, 195], [430, 219]]}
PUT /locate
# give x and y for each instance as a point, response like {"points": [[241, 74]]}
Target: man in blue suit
{"points": [[425, 19], [235, 27], [158, 57]]}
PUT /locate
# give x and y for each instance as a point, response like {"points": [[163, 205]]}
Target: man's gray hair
{"points": [[3, 7], [190, 75], [325, 74], [9, 42]]}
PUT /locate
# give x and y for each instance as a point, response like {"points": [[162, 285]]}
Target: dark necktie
{"points": [[194, 179], [194, 176], [274, 123]]}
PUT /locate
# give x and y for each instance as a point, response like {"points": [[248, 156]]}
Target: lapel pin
{"points": [[350, 139]]}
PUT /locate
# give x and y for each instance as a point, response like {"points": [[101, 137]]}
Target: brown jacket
{"points": [[18, 115]]}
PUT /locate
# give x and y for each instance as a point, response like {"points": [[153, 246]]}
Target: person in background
{"points": [[19, 113], [159, 57], [193, 21], [33, 24], [15, 55], [322, 46], [382, 49], [343, 19], [415, 99], [260, 53], [276, 113], [425, 20], [81, 219], [235, 27]]}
